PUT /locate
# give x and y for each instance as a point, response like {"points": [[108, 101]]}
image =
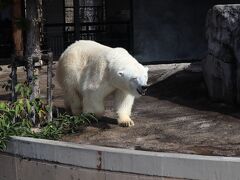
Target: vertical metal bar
{"points": [[49, 85], [31, 83], [131, 28], [64, 26], [14, 79], [104, 10], [76, 19], [87, 30]]}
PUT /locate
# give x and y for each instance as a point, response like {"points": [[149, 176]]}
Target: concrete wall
{"points": [[17, 168], [170, 29], [37, 159]]}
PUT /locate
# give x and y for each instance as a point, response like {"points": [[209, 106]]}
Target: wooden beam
{"points": [[17, 32]]}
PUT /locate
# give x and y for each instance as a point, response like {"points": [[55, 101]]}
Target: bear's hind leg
{"points": [[93, 103], [123, 103], [73, 102], [67, 104]]}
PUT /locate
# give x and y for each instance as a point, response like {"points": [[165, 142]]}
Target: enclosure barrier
{"points": [[58, 36], [26, 158]]}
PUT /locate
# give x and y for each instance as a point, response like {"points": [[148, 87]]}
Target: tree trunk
{"points": [[32, 49], [18, 44]]}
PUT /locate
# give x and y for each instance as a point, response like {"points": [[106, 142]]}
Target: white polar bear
{"points": [[88, 72]]}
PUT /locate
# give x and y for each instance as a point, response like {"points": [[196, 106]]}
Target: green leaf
{"points": [[28, 105], [17, 110], [2, 105], [17, 87]]}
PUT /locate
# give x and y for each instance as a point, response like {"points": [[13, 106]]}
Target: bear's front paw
{"points": [[125, 121]]}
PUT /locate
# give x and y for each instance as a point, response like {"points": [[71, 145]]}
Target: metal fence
{"points": [[59, 35]]}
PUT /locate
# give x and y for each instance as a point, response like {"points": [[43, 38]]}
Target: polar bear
{"points": [[88, 72]]}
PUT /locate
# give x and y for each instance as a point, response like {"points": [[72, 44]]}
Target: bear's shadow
{"points": [[101, 123], [104, 123]]}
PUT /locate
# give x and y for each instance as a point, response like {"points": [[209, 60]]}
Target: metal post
{"points": [[76, 19], [49, 85], [14, 79], [31, 83]]}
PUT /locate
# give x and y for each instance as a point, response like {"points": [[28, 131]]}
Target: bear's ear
{"points": [[120, 73]]}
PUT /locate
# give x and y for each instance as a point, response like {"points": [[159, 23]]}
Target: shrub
{"points": [[15, 119]]}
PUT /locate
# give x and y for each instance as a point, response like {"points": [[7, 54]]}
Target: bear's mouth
{"points": [[141, 91]]}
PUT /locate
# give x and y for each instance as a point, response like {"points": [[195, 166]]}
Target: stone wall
{"points": [[221, 65]]}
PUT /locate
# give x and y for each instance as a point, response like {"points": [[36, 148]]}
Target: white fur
{"points": [[88, 72]]}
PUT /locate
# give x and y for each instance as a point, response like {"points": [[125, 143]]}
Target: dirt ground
{"points": [[176, 115]]}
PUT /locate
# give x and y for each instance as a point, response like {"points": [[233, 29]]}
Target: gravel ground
{"points": [[176, 115]]}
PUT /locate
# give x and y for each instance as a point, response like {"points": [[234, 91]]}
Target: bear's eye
{"points": [[134, 79]]}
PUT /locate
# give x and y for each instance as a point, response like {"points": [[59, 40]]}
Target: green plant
{"points": [[15, 119], [25, 105], [10, 128], [64, 124]]}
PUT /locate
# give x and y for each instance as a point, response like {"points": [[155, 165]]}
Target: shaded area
{"points": [[189, 89]]}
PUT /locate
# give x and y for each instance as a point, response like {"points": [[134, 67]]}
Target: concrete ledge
{"points": [[17, 168], [125, 160]]}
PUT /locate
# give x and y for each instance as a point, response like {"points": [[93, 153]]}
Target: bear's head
{"points": [[134, 80], [126, 73]]}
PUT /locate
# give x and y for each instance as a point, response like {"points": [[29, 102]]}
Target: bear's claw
{"points": [[125, 122]]}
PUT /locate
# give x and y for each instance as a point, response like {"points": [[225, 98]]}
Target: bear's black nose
{"points": [[144, 88]]}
